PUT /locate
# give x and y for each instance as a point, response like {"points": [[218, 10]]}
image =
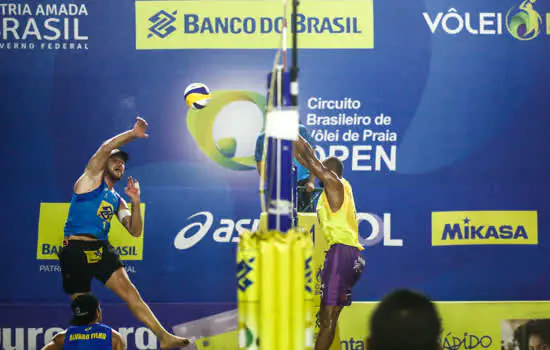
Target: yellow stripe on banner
{"points": [[472, 325], [466, 325], [194, 97]]}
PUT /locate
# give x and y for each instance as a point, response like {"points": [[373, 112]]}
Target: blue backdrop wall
{"points": [[463, 127]]}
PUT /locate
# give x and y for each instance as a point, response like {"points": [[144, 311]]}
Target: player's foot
{"points": [[173, 342]]}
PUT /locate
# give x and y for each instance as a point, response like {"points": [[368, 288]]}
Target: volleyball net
{"points": [[275, 264]]}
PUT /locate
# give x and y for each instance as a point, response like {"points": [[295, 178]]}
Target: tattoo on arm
{"points": [[126, 222], [135, 210]]}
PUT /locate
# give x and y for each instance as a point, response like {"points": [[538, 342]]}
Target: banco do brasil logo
{"points": [[162, 24], [522, 21], [201, 126], [243, 268]]}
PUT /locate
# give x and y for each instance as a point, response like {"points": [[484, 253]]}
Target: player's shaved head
{"points": [[334, 164]]}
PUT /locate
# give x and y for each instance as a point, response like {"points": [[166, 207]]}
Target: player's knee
{"points": [[121, 284], [327, 323], [329, 318]]}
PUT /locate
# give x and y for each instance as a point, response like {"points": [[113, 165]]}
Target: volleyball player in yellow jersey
{"points": [[344, 262]]}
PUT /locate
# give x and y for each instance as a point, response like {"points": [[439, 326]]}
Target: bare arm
{"points": [[334, 188], [56, 343], [91, 178], [118, 342], [132, 222]]}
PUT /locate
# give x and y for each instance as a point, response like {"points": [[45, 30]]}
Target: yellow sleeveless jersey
{"points": [[340, 227]]}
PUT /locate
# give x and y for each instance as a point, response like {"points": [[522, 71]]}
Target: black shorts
{"points": [[81, 261]]}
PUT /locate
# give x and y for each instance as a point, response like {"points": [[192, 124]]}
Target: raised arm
{"points": [[91, 178], [305, 155], [310, 185]]}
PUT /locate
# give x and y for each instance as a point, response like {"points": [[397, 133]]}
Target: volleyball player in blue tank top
{"points": [[86, 331], [86, 251]]}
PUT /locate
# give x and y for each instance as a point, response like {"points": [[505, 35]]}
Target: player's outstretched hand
{"points": [[140, 127], [132, 189]]}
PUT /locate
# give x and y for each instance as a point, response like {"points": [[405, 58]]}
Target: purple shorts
{"points": [[343, 267]]}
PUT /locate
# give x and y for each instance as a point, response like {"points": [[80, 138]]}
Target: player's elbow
{"points": [[104, 149], [136, 232]]}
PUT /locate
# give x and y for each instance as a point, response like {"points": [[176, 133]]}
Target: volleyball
{"points": [[197, 95]]}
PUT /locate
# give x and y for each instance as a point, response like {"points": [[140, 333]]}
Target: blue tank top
{"points": [[91, 213], [89, 337]]}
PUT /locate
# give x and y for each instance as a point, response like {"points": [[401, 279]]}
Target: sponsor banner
{"points": [[358, 133], [522, 21], [224, 230], [342, 24], [484, 227], [214, 326], [47, 25], [52, 222], [374, 229], [413, 119], [466, 326], [29, 327]]}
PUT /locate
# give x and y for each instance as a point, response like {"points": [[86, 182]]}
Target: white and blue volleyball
{"points": [[197, 95]]}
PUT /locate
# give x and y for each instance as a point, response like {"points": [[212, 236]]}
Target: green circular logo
{"points": [[524, 22], [200, 123]]}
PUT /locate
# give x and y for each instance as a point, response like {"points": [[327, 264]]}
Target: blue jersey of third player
{"points": [[91, 213], [90, 337], [302, 172]]}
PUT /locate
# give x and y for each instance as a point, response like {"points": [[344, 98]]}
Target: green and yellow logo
{"points": [[523, 21], [200, 123]]}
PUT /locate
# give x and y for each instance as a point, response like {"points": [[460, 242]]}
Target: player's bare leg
{"points": [[120, 283], [329, 319]]}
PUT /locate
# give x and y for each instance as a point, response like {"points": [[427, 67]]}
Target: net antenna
{"points": [[294, 69], [278, 180]]}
